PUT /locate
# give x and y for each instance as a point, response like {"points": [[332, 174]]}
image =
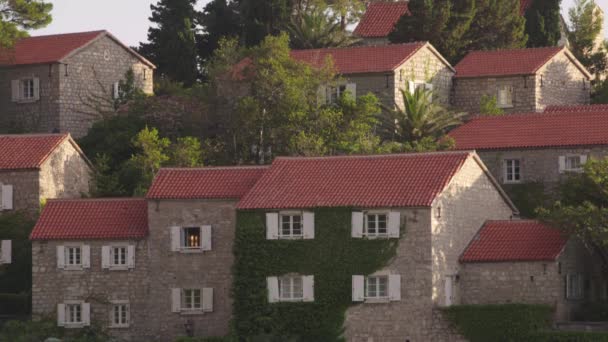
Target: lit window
{"points": [[192, 238], [73, 256], [118, 256], [376, 287], [291, 288], [505, 97], [375, 224], [120, 315], [512, 171], [27, 89], [291, 225], [191, 299], [73, 313]]}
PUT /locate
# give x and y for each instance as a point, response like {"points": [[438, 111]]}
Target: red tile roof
{"points": [[360, 59], [533, 130], [380, 18], [119, 218], [577, 108], [205, 183], [399, 180], [524, 5], [27, 151], [505, 62], [515, 241]]}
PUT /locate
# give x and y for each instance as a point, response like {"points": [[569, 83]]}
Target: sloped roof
{"points": [[398, 180], [524, 240], [118, 218], [54, 48], [533, 130], [505, 62], [380, 18], [577, 108], [27, 151], [205, 183]]}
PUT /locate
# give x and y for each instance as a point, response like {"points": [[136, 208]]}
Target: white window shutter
{"points": [[357, 224], [86, 256], [206, 238], [309, 225], [5, 258], [15, 90], [352, 88], [105, 257], [308, 287], [358, 288], [131, 256], [583, 159], [322, 95], [86, 313], [394, 287], [394, 223], [207, 299], [562, 163], [176, 300], [272, 226], [7, 197], [411, 86], [36, 88], [60, 315], [273, 289], [176, 233], [115, 93], [60, 257]]}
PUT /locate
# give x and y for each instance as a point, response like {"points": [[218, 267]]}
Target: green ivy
{"points": [[332, 257], [527, 197]]}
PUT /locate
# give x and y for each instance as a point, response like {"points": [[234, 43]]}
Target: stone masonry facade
{"points": [[70, 89]]}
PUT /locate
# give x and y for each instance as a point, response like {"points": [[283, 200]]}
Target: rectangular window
{"points": [[73, 313], [512, 171], [291, 225], [118, 256], [27, 89], [573, 163], [376, 287], [291, 288], [375, 224], [191, 299], [73, 256], [120, 315], [336, 92], [504, 98], [574, 286], [192, 238]]}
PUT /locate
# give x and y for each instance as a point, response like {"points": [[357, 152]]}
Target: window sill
{"points": [[505, 106], [300, 237], [191, 312], [118, 268], [26, 101], [377, 300], [512, 182], [375, 237], [119, 326], [190, 250], [290, 300], [73, 268], [73, 325]]}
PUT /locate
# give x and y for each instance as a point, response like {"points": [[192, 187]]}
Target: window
{"points": [[504, 98], [5, 252], [27, 89], [512, 171], [291, 225], [291, 288], [192, 238], [118, 256], [120, 315], [191, 299], [73, 314], [73, 256], [336, 92], [376, 287], [375, 224], [574, 286], [572, 163]]}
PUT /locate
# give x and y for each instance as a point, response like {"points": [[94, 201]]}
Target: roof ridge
{"points": [[383, 155], [97, 199], [65, 34], [534, 114], [35, 135], [558, 48], [355, 47], [225, 167]]}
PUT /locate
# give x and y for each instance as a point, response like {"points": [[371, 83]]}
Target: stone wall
{"points": [[457, 215], [26, 189], [97, 286], [562, 84], [65, 173], [178, 270], [468, 92]]}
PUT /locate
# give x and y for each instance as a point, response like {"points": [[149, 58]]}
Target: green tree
{"points": [[186, 152], [263, 18], [488, 106], [497, 25], [219, 19], [582, 208], [543, 23], [151, 155], [172, 40], [17, 16], [16, 277], [585, 27]]}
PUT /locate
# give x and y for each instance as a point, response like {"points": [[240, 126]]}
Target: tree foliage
{"points": [[17, 16], [497, 25], [543, 23], [585, 26], [219, 20], [489, 107]]}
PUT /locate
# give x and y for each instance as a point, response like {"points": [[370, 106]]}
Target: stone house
{"points": [[56, 83], [37, 167], [544, 266], [521, 80], [520, 149]]}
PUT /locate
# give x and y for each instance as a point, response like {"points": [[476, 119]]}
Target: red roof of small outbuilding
{"points": [[27, 151], [380, 18]]}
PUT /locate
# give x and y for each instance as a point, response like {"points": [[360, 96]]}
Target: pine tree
{"points": [[583, 34], [263, 18], [17, 16], [497, 25], [172, 43], [219, 19], [543, 23]]}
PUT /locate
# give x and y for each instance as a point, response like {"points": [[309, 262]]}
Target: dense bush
{"points": [[15, 303], [567, 336], [36, 331], [593, 312]]}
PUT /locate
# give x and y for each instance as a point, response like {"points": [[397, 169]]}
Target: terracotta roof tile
{"points": [[120, 218], [399, 180], [533, 130], [380, 18], [205, 183], [27, 151], [360, 59], [515, 241], [504, 62], [575, 108]]}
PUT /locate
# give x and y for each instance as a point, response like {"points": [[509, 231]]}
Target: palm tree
{"points": [[419, 118], [315, 26]]}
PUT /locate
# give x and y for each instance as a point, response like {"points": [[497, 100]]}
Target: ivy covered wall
{"points": [[332, 257]]}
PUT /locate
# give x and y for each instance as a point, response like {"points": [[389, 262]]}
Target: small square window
{"points": [[291, 225], [375, 224], [118, 256], [73, 313], [291, 288], [376, 287], [73, 256], [191, 299], [120, 315], [512, 171], [191, 238]]}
